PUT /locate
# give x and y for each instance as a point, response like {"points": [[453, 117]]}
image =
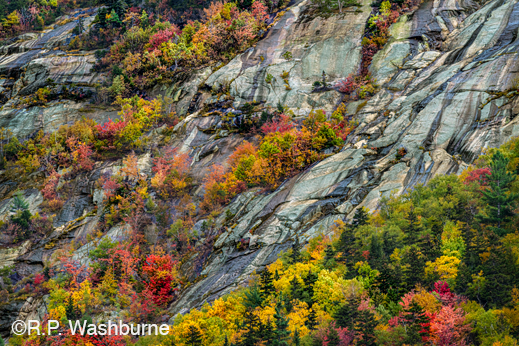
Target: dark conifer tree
{"points": [[416, 322], [250, 325], [295, 256], [365, 326], [311, 323], [266, 284], [69, 309], [332, 337], [414, 228], [281, 334], [329, 256], [194, 337], [296, 289], [101, 15], [347, 314], [376, 252], [415, 267], [500, 202], [308, 292], [296, 340], [253, 298], [360, 218]]}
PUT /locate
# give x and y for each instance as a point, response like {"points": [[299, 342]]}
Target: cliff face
{"points": [[448, 82], [448, 78]]}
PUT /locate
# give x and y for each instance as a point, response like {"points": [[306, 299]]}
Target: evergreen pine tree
{"points": [[347, 241], [413, 229], [120, 7], [415, 267], [22, 215], [376, 253], [360, 218], [250, 324], [114, 19], [430, 247], [311, 323], [194, 337], [266, 284], [252, 298], [365, 326], [226, 342], [416, 323], [18, 204], [69, 309], [332, 337], [295, 256], [347, 314], [500, 202], [308, 292], [101, 16], [3, 15], [266, 332], [281, 333], [276, 275], [296, 289], [329, 253], [296, 340]]}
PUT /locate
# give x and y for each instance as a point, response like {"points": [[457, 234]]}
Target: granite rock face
{"points": [[447, 90], [312, 44], [35, 61]]}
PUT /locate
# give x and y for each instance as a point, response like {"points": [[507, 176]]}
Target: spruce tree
{"points": [[360, 218], [296, 289], [296, 340], [22, 215], [332, 337], [114, 19], [415, 267], [308, 292], [194, 337], [416, 323], [413, 229], [250, 324], [311, 323], [281, 333], [101, 16], [144, 20], [266, 284], [266, 332], [500, 202], [69, 309], [329, 253], [120, 7], [366, 327], [3, 15], [253, 298], [18, 204], [376, 252], [347, 314], [295, 256]]}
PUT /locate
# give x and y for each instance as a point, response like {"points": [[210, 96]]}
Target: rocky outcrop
{"points": [[314, 44], [35, 61], [447, 90]]}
